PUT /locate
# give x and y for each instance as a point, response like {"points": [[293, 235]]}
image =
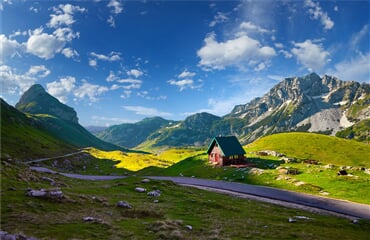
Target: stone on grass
{"points": [[45, 193], [91, 219], [123, 204], [189, 227], [140, 189], [145, 180], [154, 193]]}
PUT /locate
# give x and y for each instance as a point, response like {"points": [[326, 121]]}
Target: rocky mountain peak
{"points": [[37, 101]]}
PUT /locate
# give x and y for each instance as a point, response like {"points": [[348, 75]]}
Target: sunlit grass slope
{"points": [[326, 149], [137, 161], [23, 138]]}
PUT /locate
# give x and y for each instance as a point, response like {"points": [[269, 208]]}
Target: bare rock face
{"points": [[46, 193]]}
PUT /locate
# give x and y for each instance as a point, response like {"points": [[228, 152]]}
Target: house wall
{"points": [[236, 159], [215, 157]]}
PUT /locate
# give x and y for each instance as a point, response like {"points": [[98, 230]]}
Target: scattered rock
{"points": [[145, 180], [270, 153], [7, 236], [92, 219], [342, 172], [256, 171], [329, 166], [189, 227], [123, 204], [52, 182], [367, 171], [288, 160], [292, 220], [45, 193], [355, 221], [295, 218], [155, 201], [154, 193], [140, 189]]}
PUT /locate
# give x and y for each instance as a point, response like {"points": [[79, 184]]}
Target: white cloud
{"points": [[286, 54], [132, 83], [44, 45], [38, 71], [186, 74], [62, 88], [12, 82], [260, 67], [251, 27], [93, 63], [8, 47], [90, 91], [111, 77], [64, 15], [140, 110], [111, 57], [359, 36], [317, 13], [356, 69], [116, 6], [70, 53], [111, 21], [234, 52], [312, 56], [182, 84], [134, 72], [219, 18]]}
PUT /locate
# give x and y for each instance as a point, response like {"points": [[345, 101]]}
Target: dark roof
{"points": [[228, 145]]}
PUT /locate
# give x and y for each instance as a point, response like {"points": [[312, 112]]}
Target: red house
{"points": [[224, 151]]}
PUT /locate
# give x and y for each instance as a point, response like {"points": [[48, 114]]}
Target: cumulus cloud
{"points": [[62, 88], [39, 71], [186, 74], [140, 110], [8, 47], [131, 83], [44, 45], [316, 12], [219, 18], [312, 56], [182, 84], [70, 53], [355, 69], [89, 91], [135, 73], [13, 82], [238, 51], [251, 27], [116, 8], [111, 57], [63, 15]]}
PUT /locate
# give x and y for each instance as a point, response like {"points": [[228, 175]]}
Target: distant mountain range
{"points": [[40, 125], [308, 104]]}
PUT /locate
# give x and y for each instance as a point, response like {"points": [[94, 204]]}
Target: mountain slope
{"points": [[22, 137], [59, 119], [326, 149], [37, 101], [131, 134]]}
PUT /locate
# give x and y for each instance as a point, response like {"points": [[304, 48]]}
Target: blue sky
{"points": [[121, 61]]}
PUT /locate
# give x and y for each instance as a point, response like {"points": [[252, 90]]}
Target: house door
{"points": [[217, 158]]}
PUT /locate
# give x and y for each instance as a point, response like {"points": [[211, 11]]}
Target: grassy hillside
{"points": [[359, 132], [73, 133], [210, 215], [23, 138], [326, 149]]}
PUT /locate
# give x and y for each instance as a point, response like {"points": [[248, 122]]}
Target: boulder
{"points": [[140, 189], [342, 172], [91, 219], [123, 204], [145, 180], [154, 193], [45, 193]]}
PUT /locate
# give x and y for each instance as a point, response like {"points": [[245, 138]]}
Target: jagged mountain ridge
{"points": [[310, 103]]}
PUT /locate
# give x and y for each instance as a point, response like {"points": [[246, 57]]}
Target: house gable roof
{"points": [[228, 145]]}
